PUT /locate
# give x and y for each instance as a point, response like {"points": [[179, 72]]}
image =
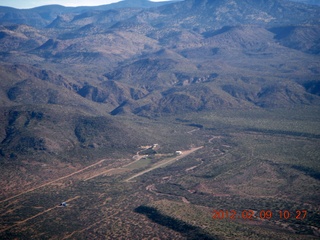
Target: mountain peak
{"points": [[214, 14]]}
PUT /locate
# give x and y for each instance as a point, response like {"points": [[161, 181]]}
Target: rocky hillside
{"points": [[138, 58]]}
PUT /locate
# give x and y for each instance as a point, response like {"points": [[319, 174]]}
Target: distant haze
{"points": [[70, 3]]}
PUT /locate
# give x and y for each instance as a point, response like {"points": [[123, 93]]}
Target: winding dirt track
{"points": [[162, 163], [165, 162], [122, 169]]}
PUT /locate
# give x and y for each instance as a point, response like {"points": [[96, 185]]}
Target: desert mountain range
{"points": [[65, 72]]}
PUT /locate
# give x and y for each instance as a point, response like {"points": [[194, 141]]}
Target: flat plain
{"points": [[232, 167]]}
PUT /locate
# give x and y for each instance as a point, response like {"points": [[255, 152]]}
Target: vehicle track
{"points": [[54, 181], [165, 162], [37, 215]]}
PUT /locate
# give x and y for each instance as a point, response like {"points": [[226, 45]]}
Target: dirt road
{"points": [[54, 181], [164, 162], [37, 215]]}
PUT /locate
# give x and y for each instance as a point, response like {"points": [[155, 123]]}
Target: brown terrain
{"points": [[95, 102]]}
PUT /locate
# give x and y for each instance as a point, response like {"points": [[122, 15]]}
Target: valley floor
{"points": [[238, 184]]}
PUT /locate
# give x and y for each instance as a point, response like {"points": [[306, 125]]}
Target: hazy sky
{"points": [[36, 3]]}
